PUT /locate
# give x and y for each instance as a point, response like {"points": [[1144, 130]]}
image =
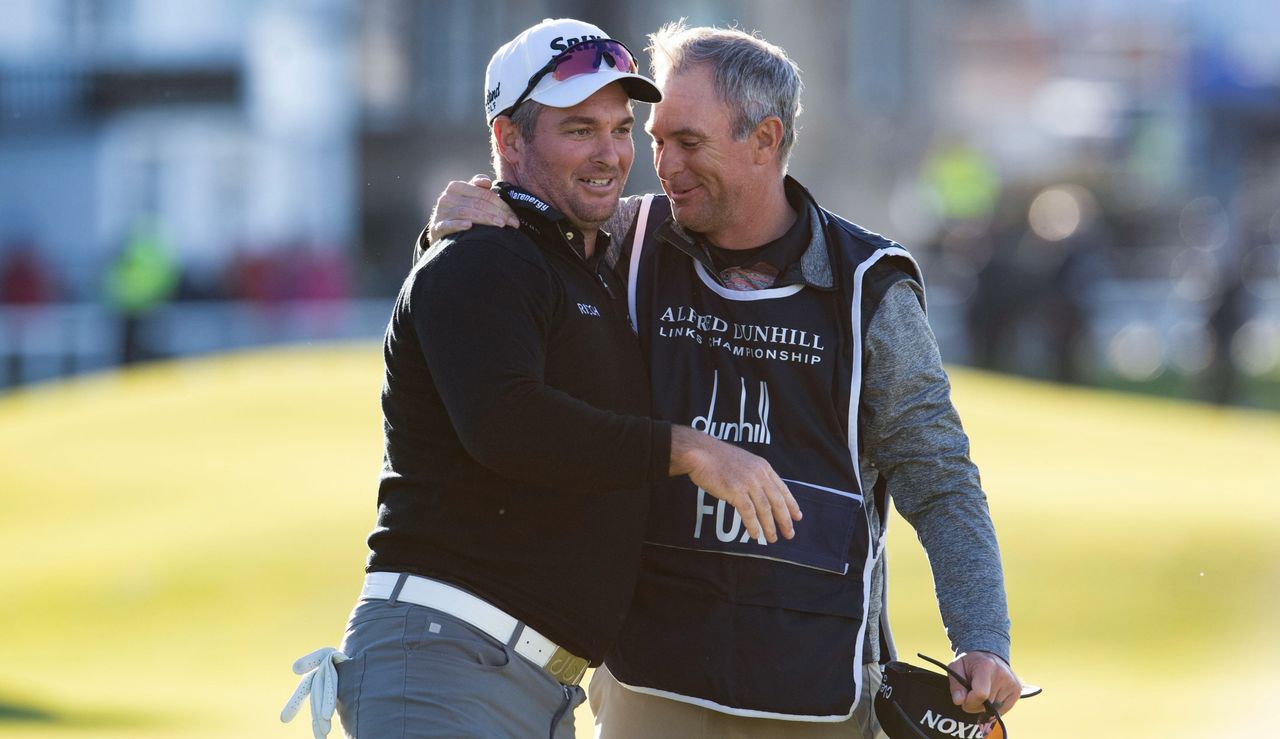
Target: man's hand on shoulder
{"points": [[991, 679], [466, 204], [739, 478]]}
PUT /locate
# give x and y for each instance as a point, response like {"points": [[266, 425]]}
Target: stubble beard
{"points": [[705, 217], [583, 213]]}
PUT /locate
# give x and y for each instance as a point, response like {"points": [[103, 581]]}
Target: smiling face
{"points": [[709, 176], [578, 158]]}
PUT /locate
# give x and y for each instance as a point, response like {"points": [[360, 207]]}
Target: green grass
{"points": [[172, 538], [1251, 392]]}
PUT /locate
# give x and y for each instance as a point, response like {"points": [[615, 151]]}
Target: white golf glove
{"points": [[320, 679]]}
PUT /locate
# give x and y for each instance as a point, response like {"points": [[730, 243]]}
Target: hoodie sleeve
{"points": [[914, 438]]}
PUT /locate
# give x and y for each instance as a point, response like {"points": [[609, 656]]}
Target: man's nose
{"points": [[608, 150], [666, 161]]}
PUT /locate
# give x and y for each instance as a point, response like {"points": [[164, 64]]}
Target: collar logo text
{"points": [[527, 198]]}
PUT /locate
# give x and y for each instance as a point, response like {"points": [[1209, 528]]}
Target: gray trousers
{"points": [[416, 672]]}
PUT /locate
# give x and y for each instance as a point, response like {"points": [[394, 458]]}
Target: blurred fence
{"points": [[49, 341], [1136, 334]]}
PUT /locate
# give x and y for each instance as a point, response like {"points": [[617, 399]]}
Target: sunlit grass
{"points": [[172, 538], [1141, 541]]}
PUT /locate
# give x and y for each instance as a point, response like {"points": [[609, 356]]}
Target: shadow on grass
{"points": [[14, 713], [21, 712]]}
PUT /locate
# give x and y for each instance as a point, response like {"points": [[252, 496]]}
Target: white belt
{"points": [[538, 649]]}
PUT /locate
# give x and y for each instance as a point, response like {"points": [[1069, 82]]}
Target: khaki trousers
{"points": [[625, 714]]}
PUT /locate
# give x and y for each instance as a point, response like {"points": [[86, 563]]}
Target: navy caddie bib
{"points": [[721, 619]]}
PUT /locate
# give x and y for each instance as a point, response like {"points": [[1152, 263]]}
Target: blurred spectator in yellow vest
{"points": [[142, 278]]}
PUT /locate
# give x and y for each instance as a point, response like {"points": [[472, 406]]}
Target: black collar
{"points": [[541, 219]]}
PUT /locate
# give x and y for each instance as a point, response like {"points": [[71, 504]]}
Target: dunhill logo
{"points": [[756, 432], [776, 335], [746, 333]]}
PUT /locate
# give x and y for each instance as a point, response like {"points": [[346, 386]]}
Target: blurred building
{"points": [[1092, 188], [231, 125], [245, 127], [870, 71]]}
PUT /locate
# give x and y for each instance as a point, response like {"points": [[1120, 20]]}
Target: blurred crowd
{"points": [[1081, 282], [1038, 275], [144, 272], [141, 279]]}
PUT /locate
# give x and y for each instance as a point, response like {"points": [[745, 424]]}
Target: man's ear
{"points": [[510, 142], [767, 140]]}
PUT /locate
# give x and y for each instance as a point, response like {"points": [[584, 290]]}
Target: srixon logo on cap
{"points": [[560, 43]]}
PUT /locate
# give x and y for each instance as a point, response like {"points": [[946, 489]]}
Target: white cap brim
{"points": [[570, 92]]}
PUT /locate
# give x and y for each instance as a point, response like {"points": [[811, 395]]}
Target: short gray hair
{"points": [[525, 120], [755, 78]]}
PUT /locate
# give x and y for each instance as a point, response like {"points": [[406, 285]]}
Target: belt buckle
{"points": [[566, 667]]}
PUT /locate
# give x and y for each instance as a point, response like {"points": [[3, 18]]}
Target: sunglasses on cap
{"points": [[579, 59], [914, 703]]}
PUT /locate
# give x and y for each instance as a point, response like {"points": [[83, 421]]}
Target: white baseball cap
{"points": [[574, 78]]}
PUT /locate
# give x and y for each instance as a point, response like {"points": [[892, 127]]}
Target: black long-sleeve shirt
{"points": [[518, 450]]}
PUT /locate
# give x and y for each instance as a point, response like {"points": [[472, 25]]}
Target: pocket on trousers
{"points": [[373, 626], [434, 636], [350, 686]]}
